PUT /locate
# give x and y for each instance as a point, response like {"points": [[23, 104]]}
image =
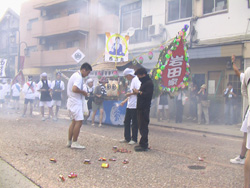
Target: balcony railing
{"points": [[73, 22]]}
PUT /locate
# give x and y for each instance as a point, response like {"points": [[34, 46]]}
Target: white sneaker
{"points": [[132, 142], [237, 160], [100, 125], [123, 141], [75, 145], [69, 143], [43, 118], [55, 119]]}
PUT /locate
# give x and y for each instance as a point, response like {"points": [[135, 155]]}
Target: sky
{"points": [[13, 4]]}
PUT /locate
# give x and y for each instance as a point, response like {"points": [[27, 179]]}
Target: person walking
{"points": [[90, 98], [99, 94], [144, 97], [44, 87], [193, 101], [29, 95], [16, 90], [57, 87], [163, 107], [229, 103], [74, 104], [203, 104], [7, 90], [131, 111], [179, 106]]}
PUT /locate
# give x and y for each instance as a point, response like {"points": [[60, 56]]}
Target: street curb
{"points": [[14, 168], [198, 131]]}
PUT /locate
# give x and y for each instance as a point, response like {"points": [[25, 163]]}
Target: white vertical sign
{"points": [[3, 64]]}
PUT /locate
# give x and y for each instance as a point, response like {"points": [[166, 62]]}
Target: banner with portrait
{"points": [[116, 48]]}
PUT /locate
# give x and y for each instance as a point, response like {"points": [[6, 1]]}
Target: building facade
{"points": [[218, 29], [54, 30], [9, 24]]}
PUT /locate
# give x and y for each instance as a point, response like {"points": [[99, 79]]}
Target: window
{"points": [[236, 84], [101, 41], [30, 49], [131, 16], [178, 9], [210, 6], [147, 21], [52, 46], [72, 44], [31, 21]]}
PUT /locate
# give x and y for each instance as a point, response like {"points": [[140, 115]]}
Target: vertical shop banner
{"points": [[116, 48], [175, 70], [3, 64]]}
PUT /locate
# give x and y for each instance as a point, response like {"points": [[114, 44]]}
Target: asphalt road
{"points": [[28, 144]]}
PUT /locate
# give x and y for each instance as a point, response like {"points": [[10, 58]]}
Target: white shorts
{"points": [[47, 103], [75, 112], [244, 123], [56, 103], [160, 107]]}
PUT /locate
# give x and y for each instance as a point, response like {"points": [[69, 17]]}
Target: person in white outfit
{"points": [[29, 95], [44, 87], [245, 90], [131, 111], [75, 94], [57, 89], [2, 95], [16, 90]]}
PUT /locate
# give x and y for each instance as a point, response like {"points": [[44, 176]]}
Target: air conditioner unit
{"points": [[155, 30], [42, 41]]}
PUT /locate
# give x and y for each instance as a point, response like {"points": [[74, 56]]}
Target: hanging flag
{"points": [[3, 64], [116, 48], [19, 77]]}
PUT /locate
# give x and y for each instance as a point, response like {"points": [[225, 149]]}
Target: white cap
{"points": [[128, 71], [44, 74], [89, 80]]}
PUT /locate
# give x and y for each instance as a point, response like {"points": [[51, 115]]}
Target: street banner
{"points": [[20, 78], [3, 64], [116, 48], [175, 70]]}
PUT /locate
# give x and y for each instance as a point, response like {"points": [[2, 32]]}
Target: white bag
{"points": [[85, 108]]}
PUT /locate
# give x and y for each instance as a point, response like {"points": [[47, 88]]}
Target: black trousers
{"points": [[131, 115], [179, 111], [143, 121]]}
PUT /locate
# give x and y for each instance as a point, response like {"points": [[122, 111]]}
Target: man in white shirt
{"points": [[7, 90], [75, 94], [131, 112], [2, 94], [57, 89], [16, 90], [44, 86], [29, 95]]}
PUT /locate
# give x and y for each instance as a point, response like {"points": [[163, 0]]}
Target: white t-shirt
{"points": [[7, 89], [61, 85], [241, 77], [28, 91], [16, 89], [132, 100], [75, 98], [2, 93]]}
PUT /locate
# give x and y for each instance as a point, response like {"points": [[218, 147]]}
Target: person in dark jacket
{"points": [[144, 97]]}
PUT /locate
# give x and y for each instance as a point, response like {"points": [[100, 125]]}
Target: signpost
{"points": [[78, 55]]}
